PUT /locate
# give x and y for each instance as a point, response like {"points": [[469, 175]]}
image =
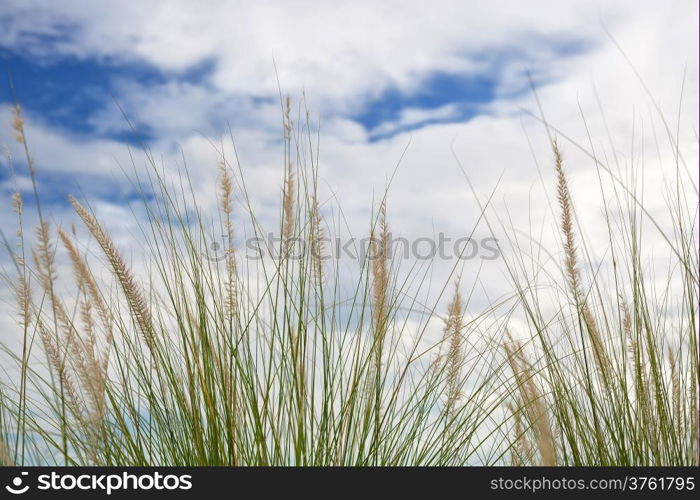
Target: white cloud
{"points": [[338, 51], [345, 53], [415, 117]]}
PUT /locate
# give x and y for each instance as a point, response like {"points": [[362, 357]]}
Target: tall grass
{"points": [[212, 359], [222, 360], [613, 340]]}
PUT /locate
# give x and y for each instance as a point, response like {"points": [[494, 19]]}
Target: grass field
{"points": [[284, 360]]}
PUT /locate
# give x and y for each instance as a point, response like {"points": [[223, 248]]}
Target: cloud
{"points": [[349, 58], [415, 118], [338, 52]]}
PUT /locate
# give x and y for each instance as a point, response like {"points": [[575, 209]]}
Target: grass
{"points": [[231, 361], [616, 359]]}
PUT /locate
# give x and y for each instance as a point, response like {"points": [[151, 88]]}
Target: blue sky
{"points": [[73, 91], [67, 92]]}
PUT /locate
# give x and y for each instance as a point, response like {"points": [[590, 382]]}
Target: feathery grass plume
{"points": [[288, 195], [675, 391], [23, 295], [287, 119], [21, 137], [533, 401], [379, 257], [91, 372], [516, 458], [83, 275], [46, 276], [288, 205], [17, 208], [93, 378], [57, 361], [436, 365], [22, 292], [132, 292], [21, 288], [627, 321], [638, 370], [44, 257], [571, 264], [630, 337], [318, 247], [379, 262], [90, 367], [521, 452], [453, 333], [226, 206], [379, 254], [230, 380], [18, 123]]}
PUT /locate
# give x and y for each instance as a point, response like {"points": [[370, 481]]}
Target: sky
{"points": [[441, 81]]}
